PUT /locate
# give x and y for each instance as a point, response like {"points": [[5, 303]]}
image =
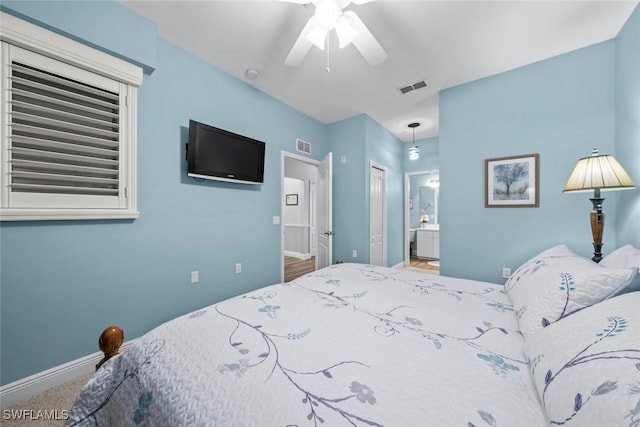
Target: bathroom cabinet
{"points": [[428, 242]]}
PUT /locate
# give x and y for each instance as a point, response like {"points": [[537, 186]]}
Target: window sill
{"points": [[63, 214]]}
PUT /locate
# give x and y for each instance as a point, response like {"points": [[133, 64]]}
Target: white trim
{"points": [[297, 255], [399, 265], [32, 37], [283, 156], [56, 53], [13, 214], [383, 168], [45, 380]]}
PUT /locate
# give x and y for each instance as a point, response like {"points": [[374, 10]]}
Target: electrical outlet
{"points": [[195, 277], [354, 253], [239, 268], [506, 272]]}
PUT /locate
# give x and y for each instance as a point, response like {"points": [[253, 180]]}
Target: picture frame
{"points": [[291, 200], [512, 182]]}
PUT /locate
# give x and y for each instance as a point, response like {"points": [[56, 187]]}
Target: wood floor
{"points": [[431, 265], [295, 267]]}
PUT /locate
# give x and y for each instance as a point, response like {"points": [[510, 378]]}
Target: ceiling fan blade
{"points": [[361, 1], [365, 42], [301, 46]]}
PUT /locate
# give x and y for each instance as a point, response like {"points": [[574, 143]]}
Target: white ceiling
{"points": [[445, 43]]}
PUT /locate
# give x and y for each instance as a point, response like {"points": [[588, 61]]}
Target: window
{"points": [[68, 148]]}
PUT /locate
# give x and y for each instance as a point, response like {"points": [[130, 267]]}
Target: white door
{"points": [[377, 212], [324, 224], [313, 244]]}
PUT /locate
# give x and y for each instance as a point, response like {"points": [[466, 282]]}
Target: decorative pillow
{"points": [[624, 257], [586, 368], [557, 282]]}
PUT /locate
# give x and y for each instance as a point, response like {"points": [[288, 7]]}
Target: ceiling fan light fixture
{"points": [[330, 15], [345, 31], [327, 13], [318, 36]]}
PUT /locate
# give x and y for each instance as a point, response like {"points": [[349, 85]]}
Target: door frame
{"points": [[384, 169], [407, 211], [283, 156]]}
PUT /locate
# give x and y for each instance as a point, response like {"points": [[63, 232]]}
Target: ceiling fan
{"points": [[330, 15]]}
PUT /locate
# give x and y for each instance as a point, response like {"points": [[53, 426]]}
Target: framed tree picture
{"points": [[512, 182]]}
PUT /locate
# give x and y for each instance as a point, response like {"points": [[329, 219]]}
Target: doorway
{"points": [[305, 220], [422, 222], [377, 214]]}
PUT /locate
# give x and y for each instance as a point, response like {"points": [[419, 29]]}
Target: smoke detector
{"points": [[251, 74]]}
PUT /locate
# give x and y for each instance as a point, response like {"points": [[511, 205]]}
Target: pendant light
{"points": [[414, 150]]}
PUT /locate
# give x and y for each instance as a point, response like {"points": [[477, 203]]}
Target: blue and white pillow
{"points": [[557, 282], [586, 367], [624, 257]]}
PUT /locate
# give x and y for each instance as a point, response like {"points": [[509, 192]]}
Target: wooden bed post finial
{"points": [[109, 342]]}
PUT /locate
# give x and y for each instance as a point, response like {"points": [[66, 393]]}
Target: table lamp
{"points": [[598, 172]]}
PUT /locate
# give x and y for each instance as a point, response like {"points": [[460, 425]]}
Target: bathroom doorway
{"points": [[422, 224]]}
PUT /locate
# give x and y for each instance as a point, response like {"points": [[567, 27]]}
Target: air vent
{"points": [[412, 87], [303, 146]]}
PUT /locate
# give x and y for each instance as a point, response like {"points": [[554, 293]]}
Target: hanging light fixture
{"points": [[414, 150]]}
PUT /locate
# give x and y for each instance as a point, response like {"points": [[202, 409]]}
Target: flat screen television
{"points": [[218, 154]]}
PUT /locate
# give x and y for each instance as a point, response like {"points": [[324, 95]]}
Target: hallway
{"points": [[296, 267]]}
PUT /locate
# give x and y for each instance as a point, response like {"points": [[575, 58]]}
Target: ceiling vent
{"points": [[412, 87], [303, 146]]}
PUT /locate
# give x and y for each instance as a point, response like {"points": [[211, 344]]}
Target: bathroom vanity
{"points": [[428, 241]]}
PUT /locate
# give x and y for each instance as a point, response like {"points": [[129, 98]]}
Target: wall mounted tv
{"points": [[218, 154]]}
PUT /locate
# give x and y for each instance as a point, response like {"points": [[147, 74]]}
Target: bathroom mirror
{"points": [[425, 190]]}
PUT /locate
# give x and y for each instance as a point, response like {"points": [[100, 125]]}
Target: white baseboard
{"points": [[399, 265], [42, 381], [297, 255]]}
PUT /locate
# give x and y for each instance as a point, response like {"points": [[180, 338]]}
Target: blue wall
{"points": [[628, 127], [92, 23], [560, 108], [63, 282], [385, 149], [361, 140], [346, 140]]}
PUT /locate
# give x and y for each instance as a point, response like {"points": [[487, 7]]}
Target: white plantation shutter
{"points": [[68, 140], [64, 135]]}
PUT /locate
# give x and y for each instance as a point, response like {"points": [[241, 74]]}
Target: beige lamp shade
{"points": [[598, 172]]}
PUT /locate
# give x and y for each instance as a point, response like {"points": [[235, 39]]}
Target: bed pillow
{"points": [[624, 257], [586, 368], [557, 282]]}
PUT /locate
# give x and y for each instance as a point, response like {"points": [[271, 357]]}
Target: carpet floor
{"points": [[51, 403]]}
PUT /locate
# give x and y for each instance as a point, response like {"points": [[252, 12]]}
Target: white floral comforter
{"points": [[349, 345]]}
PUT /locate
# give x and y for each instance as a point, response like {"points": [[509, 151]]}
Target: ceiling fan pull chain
{"points": [[328, 42]]}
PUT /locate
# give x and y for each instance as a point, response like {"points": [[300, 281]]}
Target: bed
{"points": [[362, 345]]}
